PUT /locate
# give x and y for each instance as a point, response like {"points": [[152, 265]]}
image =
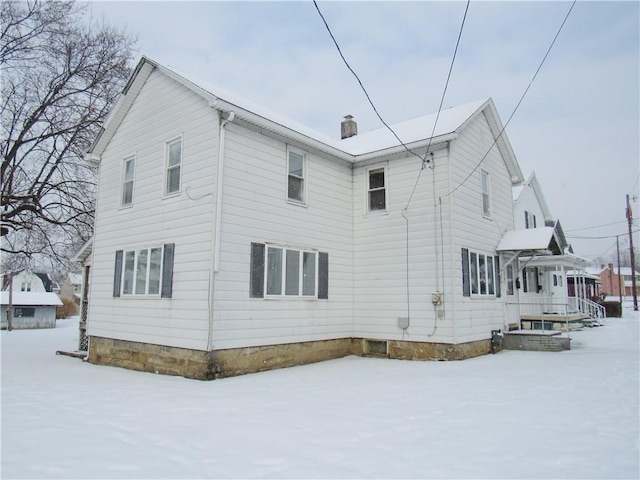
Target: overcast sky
{"points": [[577, 128]]}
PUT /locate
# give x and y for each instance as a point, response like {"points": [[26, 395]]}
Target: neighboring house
{"points": [[28, 281], [230, 240], [616, 280], [72, 287], [540, 264], [30, 309]]}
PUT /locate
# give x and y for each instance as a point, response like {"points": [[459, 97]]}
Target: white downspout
{"points": [[223, 124], [215, 264]]}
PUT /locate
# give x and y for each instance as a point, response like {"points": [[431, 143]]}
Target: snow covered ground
{"points": [[571, 414]]}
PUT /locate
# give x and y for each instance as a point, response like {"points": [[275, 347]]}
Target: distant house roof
{"points": [[30, 298], [416, 133]]}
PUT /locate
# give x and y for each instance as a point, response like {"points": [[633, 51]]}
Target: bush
{"points": [[69, 308]]}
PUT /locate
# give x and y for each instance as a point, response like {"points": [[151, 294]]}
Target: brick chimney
{"points": [[348, 127]]}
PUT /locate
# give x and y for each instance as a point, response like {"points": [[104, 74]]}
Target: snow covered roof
{"points": [[527, 239], [416, 133], [30, 298]]}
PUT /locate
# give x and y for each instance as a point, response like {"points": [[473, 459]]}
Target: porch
{"points": [[547, 313]]}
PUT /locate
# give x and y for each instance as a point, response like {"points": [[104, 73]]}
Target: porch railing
{"points": [[588, 307]]}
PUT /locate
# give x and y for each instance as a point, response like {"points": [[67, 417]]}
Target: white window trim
{"points": [[487, 175], [495, 274], [133, 181], [305, 185], [136, 252], [178, 138], [368, 169], [283, 295]]}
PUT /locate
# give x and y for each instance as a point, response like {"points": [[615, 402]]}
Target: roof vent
{"points": [[348, 127]]}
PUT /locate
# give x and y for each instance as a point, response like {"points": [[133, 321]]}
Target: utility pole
{"points": [[634, 292], [619, 275], [10, 306]]}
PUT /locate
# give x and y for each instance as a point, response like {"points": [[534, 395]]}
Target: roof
{"points": [[30, 298], [527, 239], [415, 133]]}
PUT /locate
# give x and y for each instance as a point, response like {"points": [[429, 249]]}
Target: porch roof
{"points": [[567, 260], [539, 240]]}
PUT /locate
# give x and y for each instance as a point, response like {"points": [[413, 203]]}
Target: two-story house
{"points": [[229, 239]]}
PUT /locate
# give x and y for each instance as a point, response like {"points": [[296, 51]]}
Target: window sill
{"points": [[169, 196], [125, 207], [297, 204]]}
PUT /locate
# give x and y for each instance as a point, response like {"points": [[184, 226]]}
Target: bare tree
{"points": [[61, 74]]}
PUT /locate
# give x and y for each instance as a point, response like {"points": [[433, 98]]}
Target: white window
{"points": [[480, 274], [486, 193], [529, 220], [128, 173], [173, 165], [291, 272], [376, 178], [142, 271], [25, 287], [296, 168], [510, 280]]}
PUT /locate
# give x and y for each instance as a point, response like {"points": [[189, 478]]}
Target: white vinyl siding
{"points": [[163, 111], [251, 307]]}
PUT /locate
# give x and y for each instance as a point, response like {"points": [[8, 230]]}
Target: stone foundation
{"points": [[238, 361]]}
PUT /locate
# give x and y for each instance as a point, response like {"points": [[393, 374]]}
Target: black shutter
{"points": [[466, 284], [117, 274], [323, 275], [167, 270], [526, 219], [496, 261], [256, 273]]}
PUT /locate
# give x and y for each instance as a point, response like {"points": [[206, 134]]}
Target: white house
{"points": [[28, 281], [540, 264], [229, 239]]}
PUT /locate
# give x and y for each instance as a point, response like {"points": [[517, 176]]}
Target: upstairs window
{"points": [[529, 220], [296, 168], [128, 172], [486, 193], [25, 287], [376, 178], [174, 166]]}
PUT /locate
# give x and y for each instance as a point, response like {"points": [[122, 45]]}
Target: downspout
{"points": [[215, 264]]}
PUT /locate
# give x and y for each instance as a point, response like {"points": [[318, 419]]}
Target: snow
{"points": [[30, 298], [526, 239], [421, 128], [571, 414]]}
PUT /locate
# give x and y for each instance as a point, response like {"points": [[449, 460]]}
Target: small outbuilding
{"points": [[30, 309]]}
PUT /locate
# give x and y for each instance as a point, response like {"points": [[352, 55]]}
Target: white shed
{"points": [[30, 309]]}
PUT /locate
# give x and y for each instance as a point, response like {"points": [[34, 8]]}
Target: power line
{"points": [[578, 237], [517, 106], [335, 42], [435, 123], [596, 226]]}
